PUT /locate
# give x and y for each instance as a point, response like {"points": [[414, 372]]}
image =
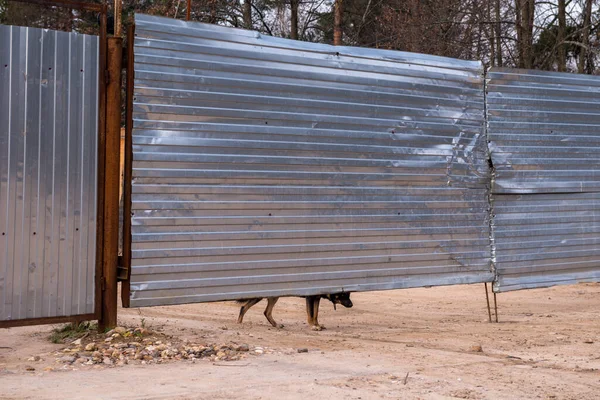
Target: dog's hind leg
{"points": [[246, 307], [315, 315], [269, 311]]}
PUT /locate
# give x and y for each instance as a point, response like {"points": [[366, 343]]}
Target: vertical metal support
{"points": [[111, 184], [188, 11], [495, 307], [128, 173], [487, 299], [103, 45]]}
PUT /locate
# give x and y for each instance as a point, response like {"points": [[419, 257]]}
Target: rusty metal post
{"points": [[487, 299], [127, 176], [495, 307], [188, 10], [111, 184]]}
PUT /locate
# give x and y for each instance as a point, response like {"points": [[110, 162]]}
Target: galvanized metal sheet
{"points": [[267, 167], [544, 131], [544, 140], [48, 162]]}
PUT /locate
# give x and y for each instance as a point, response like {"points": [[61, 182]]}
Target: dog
{"points": [[312, 307]]}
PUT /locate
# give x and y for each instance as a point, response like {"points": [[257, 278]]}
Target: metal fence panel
{"points": [[544, 132], [266, 167], [48, 163]]}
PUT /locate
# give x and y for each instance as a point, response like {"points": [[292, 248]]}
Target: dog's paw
{"points": [[318, 327], [280, 326]]}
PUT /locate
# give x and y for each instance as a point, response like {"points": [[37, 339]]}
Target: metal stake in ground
{"points": [[487, 299]]}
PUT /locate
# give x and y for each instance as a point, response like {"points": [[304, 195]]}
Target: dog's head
{"points": [[342, 298]]}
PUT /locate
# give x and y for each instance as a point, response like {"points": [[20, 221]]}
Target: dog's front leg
{"points": [[309, 309]]}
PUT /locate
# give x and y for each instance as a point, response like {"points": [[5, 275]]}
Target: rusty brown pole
{"points": [[495, 307], [188, 10], [111, 184], [127, 176], [487, 298]]}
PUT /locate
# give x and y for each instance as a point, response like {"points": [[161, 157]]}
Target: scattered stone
{"points": [[90, 347], [588, 341], [76, 342], [29, 368], [303, 350], [34, 358], [476, 348], [122, 346]]}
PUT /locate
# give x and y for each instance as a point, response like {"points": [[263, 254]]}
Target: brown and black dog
{"points": [[312, 307]]}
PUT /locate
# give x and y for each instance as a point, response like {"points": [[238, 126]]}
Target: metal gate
{"points": [[544, 131], [49, 146], [265, 167]]}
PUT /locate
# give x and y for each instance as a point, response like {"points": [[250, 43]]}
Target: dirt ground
{"points": [[414, 344]]}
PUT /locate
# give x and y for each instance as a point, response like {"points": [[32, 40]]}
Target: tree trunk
{"points": [[337, 22], [519, 28], [560, 38], [294, 19], [524, 13], [528, 17], [498, 26], [247, 14], [492, 36], [585, 42]]}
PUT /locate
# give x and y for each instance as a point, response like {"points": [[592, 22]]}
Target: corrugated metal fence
{"points": [[266, 167], [544, 132], [48, 164]]}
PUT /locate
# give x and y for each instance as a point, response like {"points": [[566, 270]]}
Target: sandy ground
{"points": [[547, 346]]}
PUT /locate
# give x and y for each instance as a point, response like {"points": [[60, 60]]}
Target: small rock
{"points": [[108, 339], [107, 361], [29, 368], [120, 330], [588, 341], [110, 333], [90, 347], [67, 359], [303, 350], [243, 347], [259, 351], [48, 369], [34, 358], [476, 348], [76, 342]]}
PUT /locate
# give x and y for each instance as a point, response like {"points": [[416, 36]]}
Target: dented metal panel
{"points": [[544, 132], [267, 167], [48, 162]]}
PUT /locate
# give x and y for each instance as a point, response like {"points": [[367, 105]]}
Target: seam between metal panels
{"points": [[491, 181]]}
